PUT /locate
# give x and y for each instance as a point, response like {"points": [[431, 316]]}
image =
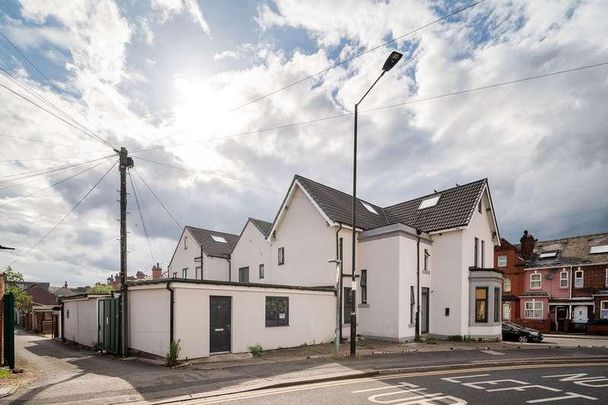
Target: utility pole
{"points": [[125, 162]]}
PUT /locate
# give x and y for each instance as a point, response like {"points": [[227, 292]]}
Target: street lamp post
{"points": [[390, 62], [338, 262]]}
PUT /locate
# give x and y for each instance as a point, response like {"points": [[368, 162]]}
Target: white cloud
{"points": [[168, 9]]}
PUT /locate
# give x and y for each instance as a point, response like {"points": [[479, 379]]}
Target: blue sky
{"points": [[137, 71]]}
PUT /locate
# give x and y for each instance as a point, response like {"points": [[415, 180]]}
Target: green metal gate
{"points": [[8, 308], [109, 328]]}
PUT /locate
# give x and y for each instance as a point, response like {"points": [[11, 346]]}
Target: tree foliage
{"points": [[23, 301], [100, 289]]}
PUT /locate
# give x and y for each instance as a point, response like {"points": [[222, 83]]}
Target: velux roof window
{"points": [[598, 249], [369, 208], [548, 255], [429, 202], [218, 238]]}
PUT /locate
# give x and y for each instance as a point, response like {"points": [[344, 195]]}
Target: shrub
{"points": [[173, 355], [256, 350]]}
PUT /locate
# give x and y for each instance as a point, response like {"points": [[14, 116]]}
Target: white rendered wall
{"points": [[81, 326], [251, 250], [311, 318], [184, 258], [215, 268], [149, 319]]}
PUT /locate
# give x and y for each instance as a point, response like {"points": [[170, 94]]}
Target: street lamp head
{"points": [[391, 61]]}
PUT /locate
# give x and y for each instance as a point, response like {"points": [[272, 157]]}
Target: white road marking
{"points": [[460, 377], [569, 395], [477, 384], [493, 352], [388, 387], [522, 388]]}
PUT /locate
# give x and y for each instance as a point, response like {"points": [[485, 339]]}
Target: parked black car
{"points": [[511, 331]]}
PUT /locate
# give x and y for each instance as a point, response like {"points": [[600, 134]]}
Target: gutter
{"points": [[340, 288], [171, 310], [417, 332]]}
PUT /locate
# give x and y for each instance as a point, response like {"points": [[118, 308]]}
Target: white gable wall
{"points": [[251, 250], [309, 243], [214, 268]]}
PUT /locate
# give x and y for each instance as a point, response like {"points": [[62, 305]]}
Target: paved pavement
{"points": [[568, 384], [70, 375]]}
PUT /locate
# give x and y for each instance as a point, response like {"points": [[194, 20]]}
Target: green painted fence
{"points": [[109, 328], [9, 330]]}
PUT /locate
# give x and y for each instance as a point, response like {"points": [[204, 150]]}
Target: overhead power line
{"points": [[90, 135], [157, 198], [141, 217], [57, 182], [411, 100], [33, 140], [74, 207], [357, 55]]}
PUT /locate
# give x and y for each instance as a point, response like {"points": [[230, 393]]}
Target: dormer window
{"points": [[369, 207], [219, 239], [429, 202]]}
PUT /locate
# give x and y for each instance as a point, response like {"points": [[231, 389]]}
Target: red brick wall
{"points": [[594, 279], [543, 325], [594, 329]]}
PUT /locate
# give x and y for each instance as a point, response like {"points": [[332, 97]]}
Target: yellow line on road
{"points": [[329, 384]]}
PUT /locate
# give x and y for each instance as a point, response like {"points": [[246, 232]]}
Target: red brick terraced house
{"points": [[508, 259], [565, 283]]}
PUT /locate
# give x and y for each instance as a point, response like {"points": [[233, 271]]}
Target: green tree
{"points": [[100, 289], [23, 301]]}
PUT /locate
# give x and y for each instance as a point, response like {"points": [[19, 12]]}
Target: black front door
{"points": [[424, 315], [220, 315]]}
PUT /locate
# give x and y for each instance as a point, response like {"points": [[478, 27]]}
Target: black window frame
{"points": [[476, 252], [363, 285], [67, 314], [412, 305], [483, 253], [426, 259], [272, 318], [496, 304], [261, 271], [481, 300], [241, 271], [281, 256]]}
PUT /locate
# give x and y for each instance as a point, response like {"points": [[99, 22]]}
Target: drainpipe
{"points": [[171, 310], [229, 269], [417, 332], [339, 292], [202, 278], [62, 322]]}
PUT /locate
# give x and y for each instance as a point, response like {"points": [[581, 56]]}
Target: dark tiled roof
{"points": [[263, 226], [570, 251], [454, 208], [337, 205], [211, 247]]}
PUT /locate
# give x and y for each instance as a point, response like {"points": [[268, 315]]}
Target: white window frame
{"points": [[533, 309], [562, 273], [577, 278], [603, 309], [540, 281], [506, 285], [506, 311], [502, 261]]}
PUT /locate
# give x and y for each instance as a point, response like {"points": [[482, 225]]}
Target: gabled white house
{"points": [[198, 245], [423, 266], [432, 255]]}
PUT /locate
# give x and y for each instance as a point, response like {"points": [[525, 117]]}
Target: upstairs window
{"points": [[261, 271], [426, 259], [483, 254], [369, 207], [244, 275], [277, 311], [185, 273], [502, 261], [429, 202], [507, 285], [219, 239], [476, 253], [563, 279], [281, 256], [579, 280], [363, 283], [185, 242], [535, 281]]}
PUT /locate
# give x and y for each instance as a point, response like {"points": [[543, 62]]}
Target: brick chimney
{"points": [[527, 246], [157, 272], [140, 275]]}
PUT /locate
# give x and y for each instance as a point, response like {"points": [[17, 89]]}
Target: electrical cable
{"points": [[141, 217], [157, 198]]}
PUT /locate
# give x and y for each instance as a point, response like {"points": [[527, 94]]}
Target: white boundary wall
{"points": [[80, 320], [311, 317]]}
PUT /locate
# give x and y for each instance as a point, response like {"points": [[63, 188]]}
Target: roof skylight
{"points": [[219, 239], [429, 202], [598, 249], [548, 255], [369, 208]]}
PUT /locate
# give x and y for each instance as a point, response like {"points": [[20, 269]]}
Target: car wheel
{"points": [[523, 339]]}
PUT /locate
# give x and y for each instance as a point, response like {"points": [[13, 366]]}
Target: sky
{"points": [[190, 89]]}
